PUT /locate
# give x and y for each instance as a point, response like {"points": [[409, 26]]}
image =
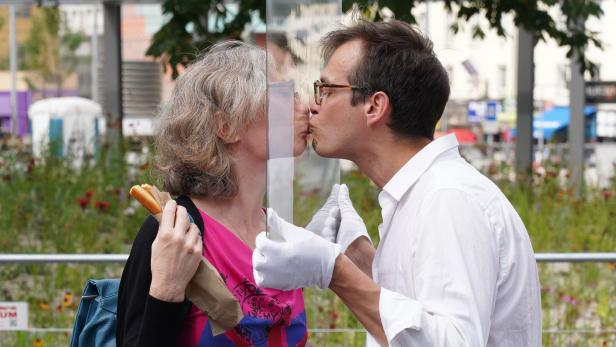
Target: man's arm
{"points": [[360, 294], [361, 253]]}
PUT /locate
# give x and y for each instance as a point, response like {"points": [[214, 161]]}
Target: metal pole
{"points": [[13, 67], [576, 126], [94, 62], [6, 259], [526, 81], [112, 70], [61, 258]]}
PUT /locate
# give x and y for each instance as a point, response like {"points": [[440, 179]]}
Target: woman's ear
{"points": [[224, 133], [377, 109]]}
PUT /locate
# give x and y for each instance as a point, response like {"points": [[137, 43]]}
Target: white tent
{"points": [[77, 121]]}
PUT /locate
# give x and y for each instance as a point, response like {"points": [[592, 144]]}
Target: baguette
{"points": [[146, 199]]}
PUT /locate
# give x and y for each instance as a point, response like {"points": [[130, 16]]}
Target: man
{"points": [[454, 266]]}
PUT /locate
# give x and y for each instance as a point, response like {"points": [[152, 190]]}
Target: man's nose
{"points": [[314, 108]]}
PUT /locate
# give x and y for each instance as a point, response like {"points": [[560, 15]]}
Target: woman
{"points": [[211, 152]]}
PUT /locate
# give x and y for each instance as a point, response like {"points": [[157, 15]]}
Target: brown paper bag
{"points": [[206, 289]]}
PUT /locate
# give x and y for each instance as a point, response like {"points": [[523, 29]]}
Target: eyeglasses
{"points": [[319, 95]]}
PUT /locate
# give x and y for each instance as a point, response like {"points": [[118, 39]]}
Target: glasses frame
{"points": [[318, 85]]}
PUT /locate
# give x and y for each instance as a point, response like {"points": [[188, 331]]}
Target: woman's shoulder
{"points": [[147, 232]]}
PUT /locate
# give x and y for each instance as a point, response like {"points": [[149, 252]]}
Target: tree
{"points": [[177, 45], [186, 33], [50, 48], [534, 16]]}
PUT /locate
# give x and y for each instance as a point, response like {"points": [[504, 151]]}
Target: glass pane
{"points": [[298, 179]]}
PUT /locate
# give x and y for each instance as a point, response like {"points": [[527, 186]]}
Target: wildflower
{"points": [[83, 202], [103, 206], [67, 301], [611, 266], [59, 308], [551, 173], [38, 343], [43, 305], [89, 194], [570, 300], [607, 194], [334, 315], [31, 165]]}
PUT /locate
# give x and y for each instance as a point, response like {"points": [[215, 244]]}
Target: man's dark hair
{"points": [[399, 61]]}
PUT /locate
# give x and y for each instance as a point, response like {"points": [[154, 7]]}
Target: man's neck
{"points": [[381, 161]]}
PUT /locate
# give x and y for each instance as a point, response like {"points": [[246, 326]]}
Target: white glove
{"points": [[351, 224], [301, 259], [322, 220]]}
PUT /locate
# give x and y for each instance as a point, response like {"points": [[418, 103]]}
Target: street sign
{"points": [[600, 92], [13, 316], [491, 110]]}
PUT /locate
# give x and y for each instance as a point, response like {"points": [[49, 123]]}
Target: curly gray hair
{"points": [[226, 86]]}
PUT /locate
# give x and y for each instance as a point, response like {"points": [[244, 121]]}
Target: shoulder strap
{"points": [[193, 211]]}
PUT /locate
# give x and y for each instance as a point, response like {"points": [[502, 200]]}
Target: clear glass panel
{"points": [[298, 180]]}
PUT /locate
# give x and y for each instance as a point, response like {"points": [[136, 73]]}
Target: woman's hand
{"points": [[176, 253]]}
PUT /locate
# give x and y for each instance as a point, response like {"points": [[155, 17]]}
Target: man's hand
{"points": [[351, 225], [176, 253], [327, 219], [301, 259]]}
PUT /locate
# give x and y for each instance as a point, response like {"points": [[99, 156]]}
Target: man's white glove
{"points": [[351, 224], [327, 219], [301, 259]]}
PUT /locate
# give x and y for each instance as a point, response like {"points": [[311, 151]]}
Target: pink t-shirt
{"points": [[271, 317]]}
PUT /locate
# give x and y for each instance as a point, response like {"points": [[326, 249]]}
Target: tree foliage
{"points": [[185, 34], [560, 20], [50, 48]]}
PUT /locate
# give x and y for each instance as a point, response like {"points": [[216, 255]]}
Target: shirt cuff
{"points": [[398, 313]]}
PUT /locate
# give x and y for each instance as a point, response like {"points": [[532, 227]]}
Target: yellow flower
{"points": [[43, 305], [38, 343], [67, 301], [611, 266]]}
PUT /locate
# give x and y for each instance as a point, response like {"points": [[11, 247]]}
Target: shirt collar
{"points": [[410, 172]]}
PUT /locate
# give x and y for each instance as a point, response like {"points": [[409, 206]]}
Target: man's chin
{"points": [[322, 151]]}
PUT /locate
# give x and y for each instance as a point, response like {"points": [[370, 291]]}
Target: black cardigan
{"points": [[142, 319]]}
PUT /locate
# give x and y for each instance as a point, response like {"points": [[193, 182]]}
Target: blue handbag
{"points": [[95, 323]]}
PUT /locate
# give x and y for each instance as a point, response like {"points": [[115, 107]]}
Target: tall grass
{"points": [[47, 205]]}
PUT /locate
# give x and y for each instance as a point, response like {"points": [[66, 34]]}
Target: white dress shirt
{"points": [[455, 263]]}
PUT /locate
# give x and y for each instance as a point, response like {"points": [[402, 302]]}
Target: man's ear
{"points": [[377, 109], [224, 133]]}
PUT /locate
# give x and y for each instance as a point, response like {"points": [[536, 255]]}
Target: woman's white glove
{"points": [[300, 259], [351, 225], [327, 219]]}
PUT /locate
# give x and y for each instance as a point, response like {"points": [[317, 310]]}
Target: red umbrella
{"points": [[465, 136]]}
